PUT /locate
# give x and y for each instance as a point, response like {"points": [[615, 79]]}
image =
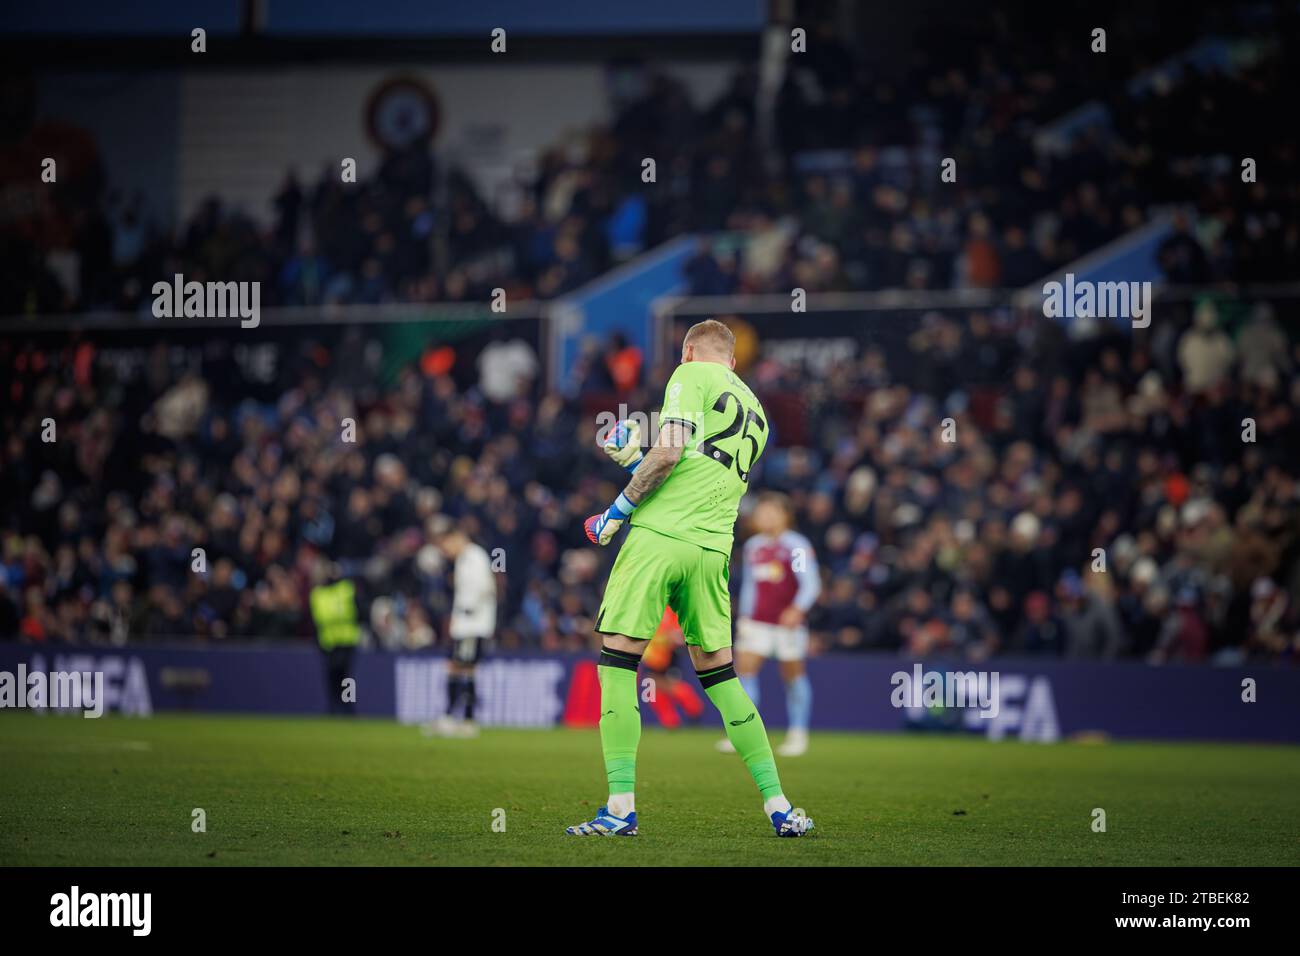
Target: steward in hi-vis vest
{"points": [[334, 612]]}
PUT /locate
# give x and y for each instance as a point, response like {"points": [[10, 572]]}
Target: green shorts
{"points": [[654, 571]]}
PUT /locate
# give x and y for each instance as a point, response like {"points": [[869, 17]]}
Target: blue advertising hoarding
{"points": [[1034, 700]]}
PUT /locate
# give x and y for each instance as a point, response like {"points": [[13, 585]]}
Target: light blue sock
{"points": [[798, 702], [750, 683]]}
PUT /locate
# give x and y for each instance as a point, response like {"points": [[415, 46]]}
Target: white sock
{"points": [[776, 804], [621, 804]]}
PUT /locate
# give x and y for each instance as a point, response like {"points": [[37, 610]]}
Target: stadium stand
{"points": [[1069, 442], [1072, 440]]}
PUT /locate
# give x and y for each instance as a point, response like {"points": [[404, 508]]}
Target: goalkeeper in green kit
{"points": [[681, 505]]}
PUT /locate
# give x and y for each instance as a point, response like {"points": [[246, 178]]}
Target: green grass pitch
{"points": [[316, 791]]}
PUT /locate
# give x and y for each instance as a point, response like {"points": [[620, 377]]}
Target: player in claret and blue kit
{"points": [[681, 504], [779, 584]]}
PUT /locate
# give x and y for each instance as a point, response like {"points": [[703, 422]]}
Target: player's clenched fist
{"points": [[623, 444], [602, 528]]}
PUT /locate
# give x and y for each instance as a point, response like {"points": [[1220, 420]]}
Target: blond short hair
{"points": [[711, 336]]}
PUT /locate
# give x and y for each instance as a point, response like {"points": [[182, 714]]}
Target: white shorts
{"points": [[771, 640], [468, 650]]}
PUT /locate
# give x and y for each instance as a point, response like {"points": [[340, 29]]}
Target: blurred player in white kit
{"points": [[780, 582], [473, 622]]}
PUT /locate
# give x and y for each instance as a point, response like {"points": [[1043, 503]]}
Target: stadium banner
{"points": [[1029, 700], [393, 18], [250, 364], [836, 327]]}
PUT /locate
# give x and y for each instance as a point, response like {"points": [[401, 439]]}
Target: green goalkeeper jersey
{"points": [[727, 428]]}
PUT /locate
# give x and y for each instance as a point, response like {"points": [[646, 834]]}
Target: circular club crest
{"points": [[401, 112]]}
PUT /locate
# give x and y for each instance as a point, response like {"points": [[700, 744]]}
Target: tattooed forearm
{"points": [[650, 474], [658, 462]]}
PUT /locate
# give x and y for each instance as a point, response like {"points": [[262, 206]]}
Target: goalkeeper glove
{"points": [[602, 528], [623, 444]]}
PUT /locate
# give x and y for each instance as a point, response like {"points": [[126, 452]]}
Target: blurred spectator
{"points": [[1041, 633], [1204, 352]]}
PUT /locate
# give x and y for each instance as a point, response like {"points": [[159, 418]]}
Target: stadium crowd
{"points": [[1063, 444], [879, 216], [1101, 496], [855, 201]]}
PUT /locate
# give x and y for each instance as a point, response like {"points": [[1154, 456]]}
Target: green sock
{"points": [[744, 726], [620, 718]]}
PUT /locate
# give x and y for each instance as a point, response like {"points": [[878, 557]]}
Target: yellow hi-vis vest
{"points": [[334, 609]]}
